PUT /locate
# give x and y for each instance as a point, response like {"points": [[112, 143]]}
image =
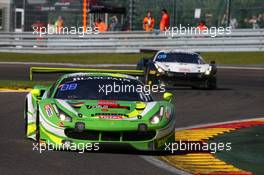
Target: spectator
{"points": [[113, 24], [202, 26], [39, 26], [260, 20], [246, 23], [253, 22], [100, 24], [59, 24], [224, 20], [51, 26], [233, 23], [148, 22], [165, 20]]}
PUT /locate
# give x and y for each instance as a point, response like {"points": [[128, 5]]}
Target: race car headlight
{"points": [[157, 117], [207, 72], [63, 117], [160, 70]]}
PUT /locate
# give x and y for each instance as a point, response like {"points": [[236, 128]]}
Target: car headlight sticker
{"points": [[48, 110], [160, 70], [157, 117], [62, 116], [167, 113], [208, 71]]}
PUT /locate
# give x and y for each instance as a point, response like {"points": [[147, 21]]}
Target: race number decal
{"points": [[68, 87]]}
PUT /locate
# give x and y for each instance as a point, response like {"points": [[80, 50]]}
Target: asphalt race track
{"points": [[240, 96]]}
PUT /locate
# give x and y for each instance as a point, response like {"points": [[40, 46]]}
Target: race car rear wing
{"points": [[48, 70]]}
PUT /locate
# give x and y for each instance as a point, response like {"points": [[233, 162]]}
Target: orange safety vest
{"points": [[59, 25], [102, 27], [202, 27], [148, 23], [164, 22]]}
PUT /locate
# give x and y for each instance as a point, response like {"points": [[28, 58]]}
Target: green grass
{"points": [[234, 58], [74, 58], [247, 148], [22, 84]]}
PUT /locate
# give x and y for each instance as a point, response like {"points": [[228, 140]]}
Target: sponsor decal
{"points": [[68, 87], [60, 124], [184, 70], [48, 110], [104, 109], [101, 78], [162, 56], [108, 103], [111, 117]]}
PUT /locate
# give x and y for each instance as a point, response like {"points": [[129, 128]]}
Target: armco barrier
{"points": [[131, 42]]}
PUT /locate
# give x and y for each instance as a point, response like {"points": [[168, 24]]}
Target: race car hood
{"points": [[182, 67], [106, 109]]}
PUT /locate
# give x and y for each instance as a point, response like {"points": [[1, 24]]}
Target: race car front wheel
{"points": [[26, 118], [211, 83], [37, 127]]}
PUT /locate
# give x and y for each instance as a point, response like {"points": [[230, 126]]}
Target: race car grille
{"points": [[138, 136], [185, 75], [84, 135], [110, 136]]}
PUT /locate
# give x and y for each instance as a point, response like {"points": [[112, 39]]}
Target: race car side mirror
{"points": [[167, 96], [212, 62], [35, 92]]}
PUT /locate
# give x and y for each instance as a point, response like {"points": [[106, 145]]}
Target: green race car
{"points": [[85, 108]]}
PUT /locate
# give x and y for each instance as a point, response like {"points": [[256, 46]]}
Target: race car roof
{"points": [[178, 51]]}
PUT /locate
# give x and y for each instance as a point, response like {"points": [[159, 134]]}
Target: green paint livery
{"points": [[142, 124]]}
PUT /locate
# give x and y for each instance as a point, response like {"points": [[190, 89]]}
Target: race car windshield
{"points": [[101, 88], [179, 57]]}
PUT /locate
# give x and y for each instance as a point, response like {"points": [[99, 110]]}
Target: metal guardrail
{"points": [[131, 42]]}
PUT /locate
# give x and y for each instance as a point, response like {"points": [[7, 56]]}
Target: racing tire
{"points": [[211, 83], [141, 78], [139, 68], [37, 127], [146, 77], [26, 119]]}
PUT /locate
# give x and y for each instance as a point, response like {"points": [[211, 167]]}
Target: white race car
{"points": [[180, 68]]}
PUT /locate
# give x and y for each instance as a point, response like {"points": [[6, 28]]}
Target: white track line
{"points": [[163, 165]]}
